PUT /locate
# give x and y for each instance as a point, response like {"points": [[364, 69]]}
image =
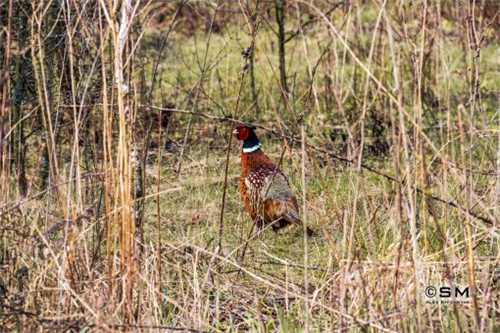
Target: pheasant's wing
{"points": [[270, 194], [272, 199]]}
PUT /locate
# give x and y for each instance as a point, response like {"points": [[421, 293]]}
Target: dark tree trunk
{"points": [[280, 19]]}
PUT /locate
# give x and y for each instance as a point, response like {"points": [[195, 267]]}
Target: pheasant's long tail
{"points": [[292, 216]]}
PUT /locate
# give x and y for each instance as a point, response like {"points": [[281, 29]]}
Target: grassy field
{"points": [[397, 106]]}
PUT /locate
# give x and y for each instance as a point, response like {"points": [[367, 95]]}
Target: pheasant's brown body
{"points": [[265, 191]]}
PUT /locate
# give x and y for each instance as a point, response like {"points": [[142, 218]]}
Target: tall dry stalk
{"points": [[121, 220], [5, 105]]}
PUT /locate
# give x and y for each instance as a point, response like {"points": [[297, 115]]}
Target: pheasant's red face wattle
{"points": [[242, 132]]}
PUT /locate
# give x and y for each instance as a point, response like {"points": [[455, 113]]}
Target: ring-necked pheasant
{"points": [[264, 188]]}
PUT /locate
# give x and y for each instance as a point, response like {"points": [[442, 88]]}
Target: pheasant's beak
{"points": [[235, 131]]}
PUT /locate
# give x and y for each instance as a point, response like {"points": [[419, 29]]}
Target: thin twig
{"points": [[226, 170]]}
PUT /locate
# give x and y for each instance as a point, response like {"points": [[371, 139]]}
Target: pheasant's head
{"points": [[247, 134]]}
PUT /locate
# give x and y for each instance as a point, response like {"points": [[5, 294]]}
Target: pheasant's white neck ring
{"points": [[251, 149]]}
